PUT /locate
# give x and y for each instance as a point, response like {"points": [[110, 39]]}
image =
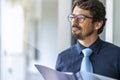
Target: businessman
{"points": [[88, 21]]}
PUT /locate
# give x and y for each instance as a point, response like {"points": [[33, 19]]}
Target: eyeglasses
{"points": [[79, 17]]}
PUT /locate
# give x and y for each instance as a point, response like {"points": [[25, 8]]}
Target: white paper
{"points": [[93, 76], [51, 74]]}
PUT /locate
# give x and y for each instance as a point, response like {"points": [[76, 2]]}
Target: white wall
{"points": [[54, 30], [64, 27], [47, 33], [116, 26], [109, 22], [12, 42], [113, 24]]}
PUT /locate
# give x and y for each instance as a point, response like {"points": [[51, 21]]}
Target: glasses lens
{"points": [[80, 18], [70, 17]]}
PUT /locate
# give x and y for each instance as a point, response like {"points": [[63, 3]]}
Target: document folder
{"points": [[51, 74]]}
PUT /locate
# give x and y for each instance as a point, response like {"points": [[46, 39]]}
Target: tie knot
{"points": [[87, 52]]}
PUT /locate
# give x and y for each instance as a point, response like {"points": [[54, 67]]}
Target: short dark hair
{"points": [[96, 8]]}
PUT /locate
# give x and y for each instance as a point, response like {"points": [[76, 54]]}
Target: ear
{"points": [[98, 25]]}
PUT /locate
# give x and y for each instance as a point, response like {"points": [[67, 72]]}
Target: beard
{"points": [[79, 33]]}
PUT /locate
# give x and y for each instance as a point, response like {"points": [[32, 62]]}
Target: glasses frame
{"points": [[79, 17]]}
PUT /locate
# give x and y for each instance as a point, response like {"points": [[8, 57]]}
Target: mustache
{"points": [[79, 27]]}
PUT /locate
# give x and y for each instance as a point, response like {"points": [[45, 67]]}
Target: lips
{"points": [[74, 29]]}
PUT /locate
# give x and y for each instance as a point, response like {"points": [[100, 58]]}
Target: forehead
{"points": [[78, 10]]}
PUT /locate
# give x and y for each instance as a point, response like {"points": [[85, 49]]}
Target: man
{"points": [[88, 20]]}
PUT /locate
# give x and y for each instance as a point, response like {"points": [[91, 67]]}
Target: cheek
{"points": [[87, 28]]}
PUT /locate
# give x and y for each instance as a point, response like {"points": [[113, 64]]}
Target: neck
{"points": [[88, 41]]}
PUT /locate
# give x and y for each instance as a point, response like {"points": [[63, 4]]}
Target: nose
{"points": [[75, 22]]}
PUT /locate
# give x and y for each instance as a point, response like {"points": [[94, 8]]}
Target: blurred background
{"points": [[36, 31]]}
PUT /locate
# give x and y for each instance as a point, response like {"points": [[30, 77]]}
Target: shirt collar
{"points": [[95, 46], [79, 47]]}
